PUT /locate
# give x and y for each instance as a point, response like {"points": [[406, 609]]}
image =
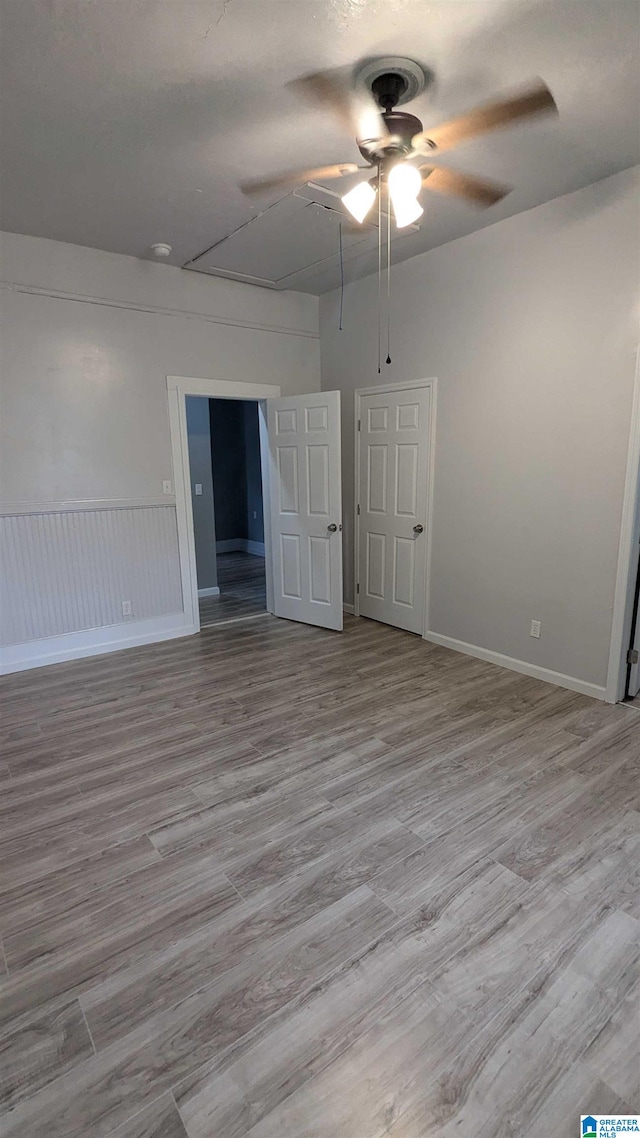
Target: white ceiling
{"points": [[127, 122]]}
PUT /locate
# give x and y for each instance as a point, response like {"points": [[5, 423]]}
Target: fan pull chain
{"points": [[388, 360], [341, 280], [379, 269]]}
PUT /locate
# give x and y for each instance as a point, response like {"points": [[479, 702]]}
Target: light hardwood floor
{"points": [[243, 591], [277, 882]]}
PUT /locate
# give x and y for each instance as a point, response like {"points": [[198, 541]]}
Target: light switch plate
{"points": [[166, 487], [198, 487]]}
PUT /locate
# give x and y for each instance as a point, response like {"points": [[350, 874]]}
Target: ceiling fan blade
{"points": [[355, 108], [298, 178], [534, 100], [477, 190]]}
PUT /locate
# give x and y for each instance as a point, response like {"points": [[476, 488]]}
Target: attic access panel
{"points": [[292, 237], [289, 236]]}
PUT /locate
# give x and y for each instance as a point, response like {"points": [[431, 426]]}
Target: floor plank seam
{"points": [[86, 1023], [138, 1114], [180, 1115], [243, 900], [3, 955], [201, 800]]}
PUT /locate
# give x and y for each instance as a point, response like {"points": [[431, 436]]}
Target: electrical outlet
{"points": [[166, 486], [126, 608], [536, 628], [198, 487]]}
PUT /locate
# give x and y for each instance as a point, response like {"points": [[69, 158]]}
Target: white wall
{"points": [[531, 327], [88, 339]]}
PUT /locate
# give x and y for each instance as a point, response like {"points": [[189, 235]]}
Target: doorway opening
{"points": [[227, 502], [301, 477]]}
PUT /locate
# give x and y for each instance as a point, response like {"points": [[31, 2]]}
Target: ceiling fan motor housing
{"points": [[402, 128]]}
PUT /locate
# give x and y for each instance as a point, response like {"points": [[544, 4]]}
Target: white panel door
{"points": [[306, 507], [393, 495]]}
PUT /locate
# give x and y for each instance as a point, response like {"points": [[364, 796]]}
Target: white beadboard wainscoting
{"points": [[66, 573]]}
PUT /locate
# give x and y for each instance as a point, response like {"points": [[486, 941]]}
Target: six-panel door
{"points": [[394, 464], [306, 507]]}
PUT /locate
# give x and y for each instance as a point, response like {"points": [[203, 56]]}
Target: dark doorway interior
{"points": [[224, 451]]}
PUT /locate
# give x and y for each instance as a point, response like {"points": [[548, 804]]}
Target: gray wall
{"points": [[199, 436], [531, 327], [85, 360], [87, 342]]}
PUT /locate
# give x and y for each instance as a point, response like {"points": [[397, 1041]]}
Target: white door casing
{"points": [[392, 485], [306, 507], [178, 387]]}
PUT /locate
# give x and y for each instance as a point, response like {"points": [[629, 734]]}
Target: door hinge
{"points": [[358, 587], [633, 656], [358, 509], [359, 424]]}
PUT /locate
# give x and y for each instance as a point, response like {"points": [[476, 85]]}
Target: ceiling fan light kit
{"points": [[390, 141], [359, 200], [405, 182]]}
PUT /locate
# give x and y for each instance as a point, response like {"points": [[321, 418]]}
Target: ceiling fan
{"points": [[392, 141]]}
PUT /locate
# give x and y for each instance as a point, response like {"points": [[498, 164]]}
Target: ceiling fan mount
{"points": [[388, 88], [392, 79]]}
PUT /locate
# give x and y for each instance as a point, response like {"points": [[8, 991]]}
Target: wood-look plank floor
{"points": [[241, 577], [277, 882]]}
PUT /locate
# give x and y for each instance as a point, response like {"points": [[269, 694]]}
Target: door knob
{"points": [[332, 528], [418, 529]]}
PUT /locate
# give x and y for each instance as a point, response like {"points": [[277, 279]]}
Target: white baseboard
{"points": [[537, 673], [230, 545], [255, 547], [92, 642], [240, 545], [348, 608], [214, 591]]}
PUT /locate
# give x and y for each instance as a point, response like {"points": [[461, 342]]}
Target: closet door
{"points": [[394, 432]]}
